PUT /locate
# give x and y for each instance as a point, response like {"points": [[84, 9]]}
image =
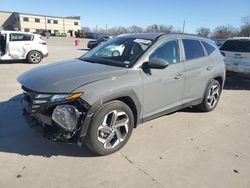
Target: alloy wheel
{"points": [[35, 57], [113, 129], [213, 96]]}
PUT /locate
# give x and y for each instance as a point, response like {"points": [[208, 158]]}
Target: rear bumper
{"points": [[45, 55], [237, 67]]}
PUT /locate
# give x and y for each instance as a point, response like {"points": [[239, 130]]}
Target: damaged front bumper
{"points": [[58, 121]]}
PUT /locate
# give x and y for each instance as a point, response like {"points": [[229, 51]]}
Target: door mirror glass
{"points": [[157, 63]]}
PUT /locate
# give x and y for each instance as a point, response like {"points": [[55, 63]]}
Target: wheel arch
{"points": [[27, 53], [128, 97]]}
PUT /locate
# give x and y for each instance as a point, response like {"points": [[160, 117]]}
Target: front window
{"points": [[121, 51], [168, 51]]}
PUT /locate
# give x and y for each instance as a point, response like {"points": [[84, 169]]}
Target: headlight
{"points": [[45, 98], [66, 116]]}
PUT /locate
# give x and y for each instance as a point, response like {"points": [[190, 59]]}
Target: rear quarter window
{"points": [[193, 49], [236, 46], [209, 48]]}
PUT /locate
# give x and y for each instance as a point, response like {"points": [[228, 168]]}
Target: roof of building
{"points": [[67, 17]]}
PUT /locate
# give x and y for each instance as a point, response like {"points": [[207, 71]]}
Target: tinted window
{"points": [[48, 21], [168, 51], [25, 19], [37, 20], [209, 48], [20, 37], [236, 46], [55, 22], [75, 23], [193, 49]]}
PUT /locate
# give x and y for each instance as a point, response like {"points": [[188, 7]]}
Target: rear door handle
{"points": [[178, 77], [210, 68]]}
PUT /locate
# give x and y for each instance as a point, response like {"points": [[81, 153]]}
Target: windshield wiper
{"points": [[87, 60]]}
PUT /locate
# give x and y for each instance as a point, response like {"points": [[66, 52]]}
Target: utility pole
{"points": [[96, 29], [106, 29], [183, 28]]}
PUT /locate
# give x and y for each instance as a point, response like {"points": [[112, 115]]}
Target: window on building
{"points": [[39, 31], [55, 21], [25, 19], [49, 21], [75, 23], [26, 30], [193, 49], [37, 20], [20, 37]]}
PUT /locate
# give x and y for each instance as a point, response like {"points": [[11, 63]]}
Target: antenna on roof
{"points": [[183, 28]]}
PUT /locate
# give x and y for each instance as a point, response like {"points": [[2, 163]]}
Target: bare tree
{"points": [[135, 29], [203, 31], [245, 28], [159, 29], [225, 31], [85, 29], [118, 30]]}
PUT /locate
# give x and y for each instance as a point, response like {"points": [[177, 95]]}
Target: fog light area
{"points": [[66, 116]]}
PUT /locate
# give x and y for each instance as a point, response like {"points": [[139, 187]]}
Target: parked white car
{"points": [[22, 45], [237, 54]]}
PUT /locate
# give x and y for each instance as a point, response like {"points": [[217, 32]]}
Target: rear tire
{"points": [[111, 128], [34, 57], [212, 96]]}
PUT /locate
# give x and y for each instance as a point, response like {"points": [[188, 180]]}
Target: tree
{"points": [[203, 32], [225, 31], [245, 28], [85, 29], [159, 29], [135, 29]]}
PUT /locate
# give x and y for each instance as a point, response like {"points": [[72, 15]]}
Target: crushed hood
{"points": [[66, 76]]}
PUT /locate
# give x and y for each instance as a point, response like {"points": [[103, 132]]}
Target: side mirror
{"points": [[157, 63]]}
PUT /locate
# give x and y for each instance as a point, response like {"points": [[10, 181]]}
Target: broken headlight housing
{"points": [[66, 116]]}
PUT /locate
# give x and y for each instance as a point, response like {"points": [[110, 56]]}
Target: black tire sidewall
{"points": [[204, 104], [92, 141]]}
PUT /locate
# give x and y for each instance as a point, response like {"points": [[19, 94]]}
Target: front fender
{"points": [[103, 91]]}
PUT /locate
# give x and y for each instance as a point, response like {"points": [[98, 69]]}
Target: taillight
{"points": [[43, 43], [223, 53]]}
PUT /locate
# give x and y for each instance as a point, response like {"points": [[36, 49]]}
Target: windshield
{"points": [[121, 51]]}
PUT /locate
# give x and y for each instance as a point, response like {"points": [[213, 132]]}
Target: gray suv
{"points": [[101, 97]]}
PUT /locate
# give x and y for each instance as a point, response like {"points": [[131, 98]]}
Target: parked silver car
{"points": [[99, 98]]}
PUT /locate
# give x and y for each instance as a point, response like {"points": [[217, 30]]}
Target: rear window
{"points": [[236, 46], [20, 37], [209, 48], [193, 49]]}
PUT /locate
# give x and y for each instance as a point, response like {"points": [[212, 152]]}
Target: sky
{"points": [[195, 13]]}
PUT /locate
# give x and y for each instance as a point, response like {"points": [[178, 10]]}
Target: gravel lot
{"points": [[183, 149]]}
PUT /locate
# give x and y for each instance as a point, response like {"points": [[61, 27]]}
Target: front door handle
{"points": [[178, 77]]}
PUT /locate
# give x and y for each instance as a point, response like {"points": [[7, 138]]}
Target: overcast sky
{"points": [[196, 13]]}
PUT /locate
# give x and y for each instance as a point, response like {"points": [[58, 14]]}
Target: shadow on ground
{"points": [[84, 49], [17, 137], [14, 62], [237, 82]]}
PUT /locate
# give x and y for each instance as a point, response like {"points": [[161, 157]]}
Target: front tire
{"points": [[211, 97], [34, 57], [111, 128]]}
